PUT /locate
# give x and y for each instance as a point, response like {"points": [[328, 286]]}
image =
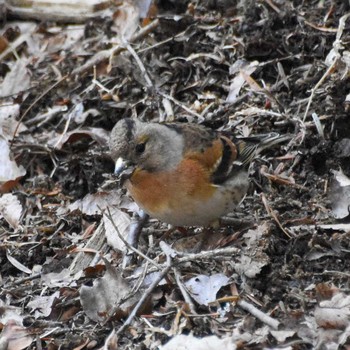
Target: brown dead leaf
{"points": [[3, 44], [105, 294]]}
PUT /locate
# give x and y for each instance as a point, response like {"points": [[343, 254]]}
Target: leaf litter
{"points": [[280, 281]]}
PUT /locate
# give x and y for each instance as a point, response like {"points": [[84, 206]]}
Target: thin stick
{"points": [[183, 291], [34, 103], [145, 295], [337, 45], [105, 54], [268, 320], [129, 246]]}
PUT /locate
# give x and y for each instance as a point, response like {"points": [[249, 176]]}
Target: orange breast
{"points": [[171, 191]]}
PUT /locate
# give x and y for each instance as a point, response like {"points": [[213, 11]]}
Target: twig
{"points": [[133, 236], [188, 110], [180, 258], [34, 103], [185, 257], [105, 54], [140, 64], [274, 216], [337, 45], [129, 246], [25, 279], [273, 6], [319, 83], [183, 291], [70, 116], [268, 320], [145, 295]]}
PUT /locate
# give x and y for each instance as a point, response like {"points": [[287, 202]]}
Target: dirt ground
{"points": [[274, 275]]}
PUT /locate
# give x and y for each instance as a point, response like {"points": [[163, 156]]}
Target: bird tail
{"points": [[250, 147]]}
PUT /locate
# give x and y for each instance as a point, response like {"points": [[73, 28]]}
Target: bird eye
{"points": [[140, 148]]}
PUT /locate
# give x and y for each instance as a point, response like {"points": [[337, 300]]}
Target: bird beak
{"points": [[120, 166], [123, 169]]}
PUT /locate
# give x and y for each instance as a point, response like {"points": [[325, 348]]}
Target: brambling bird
{"points": [[184, 174]]}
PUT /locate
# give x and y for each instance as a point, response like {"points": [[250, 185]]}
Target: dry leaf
{"points": [[106, 293], [9, 171], [57, 279], [126, 20], [10, 209], [42, 305], [8, 313], [95, 203], [122, 221], [334, 313], [17, 264], [99, 135], [339, 194], [8, 122], [17, 80], [203, 289], [189, 342], [15, 337], [238, 81], [251, 267]]}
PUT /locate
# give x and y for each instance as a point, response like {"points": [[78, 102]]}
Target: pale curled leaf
{"points": [[17, 80], [95, 203], [253, 237], [9, 171], [203, 289], [17, 264], [339, 194], [281, 336], [8, 122], [122, 222], [97, 134], [239, 80], [341, 178], [11, 209]]}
